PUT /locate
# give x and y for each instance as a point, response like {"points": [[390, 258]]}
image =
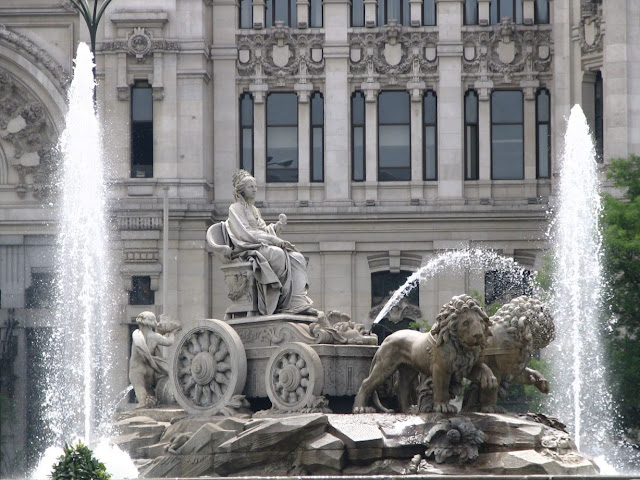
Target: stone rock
{"points": [[178, 466], [133, 442], [152, 451], [379, 467], [159, 414], [267, 442], [206, 440], [323, 455], [128, 425], [188, 424], [361, 435], [506, 432], [531, 462]]}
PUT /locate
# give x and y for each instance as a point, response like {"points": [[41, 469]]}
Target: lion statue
{"points": [[447, 354], [519, 327]]}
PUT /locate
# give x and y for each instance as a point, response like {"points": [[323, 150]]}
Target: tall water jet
{"points": [[77, 355], [580, 396]]}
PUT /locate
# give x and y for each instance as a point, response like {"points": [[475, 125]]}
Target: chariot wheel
{"points": [[294, 377], [209, 366]]}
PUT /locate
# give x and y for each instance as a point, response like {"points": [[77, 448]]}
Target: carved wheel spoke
{"points": [[209, 366], [294, 376]]}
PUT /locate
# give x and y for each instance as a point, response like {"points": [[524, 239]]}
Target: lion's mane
{"points": [[528, 321]]}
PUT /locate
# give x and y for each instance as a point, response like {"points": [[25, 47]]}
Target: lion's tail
{"points": [[378, 403]]}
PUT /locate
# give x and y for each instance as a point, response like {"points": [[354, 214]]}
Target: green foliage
{"points": [[490, 309], [421, 325], [621, 237], [78, 463]]}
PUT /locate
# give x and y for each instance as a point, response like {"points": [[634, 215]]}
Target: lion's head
{"points": [[528, 320], [462, 321]]}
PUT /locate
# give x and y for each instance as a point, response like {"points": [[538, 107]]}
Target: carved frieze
{"points": [[507, 49], [30, 138], [139, 223], [280, 56], [393, 52], [139, 43]]}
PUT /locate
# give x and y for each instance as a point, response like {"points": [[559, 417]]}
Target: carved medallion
{"points": [[139, 43]]}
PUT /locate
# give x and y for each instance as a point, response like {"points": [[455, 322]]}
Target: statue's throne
{"points": [[238, 274]]}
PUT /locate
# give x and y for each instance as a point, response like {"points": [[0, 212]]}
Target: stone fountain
{"points": [[195, 418]]}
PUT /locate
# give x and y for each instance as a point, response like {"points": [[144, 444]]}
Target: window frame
{"points": [[360, 7], [433, 5], [382, 14], [267, 126], [251, 127], [241, 4], [362, 125], [496, 7], [476, 126], [380, 125], [270, 14], [425, 125], [312, 128], [492, 123], [548, 124], [598, 116], [146, 167], [312, 9], [466, 10]]}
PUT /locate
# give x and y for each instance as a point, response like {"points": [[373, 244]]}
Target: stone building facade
{"points": [[388, 131]]}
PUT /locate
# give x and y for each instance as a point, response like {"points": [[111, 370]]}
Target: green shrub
{"points": [[78, 463]]}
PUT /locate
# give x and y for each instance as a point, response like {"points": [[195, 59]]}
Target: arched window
{"points": [[246, 132], [357, 137], [471, 12], [471, 155], [317, 137], [246, 14], [543, 134], [282, 137], [394, 136], [507, 135], [430, 135], [429, 12], [284, 10], [505, 8], [397, 10]]}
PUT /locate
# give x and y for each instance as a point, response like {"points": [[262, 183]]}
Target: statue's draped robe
{"points": [[281, 275], [156, 363]]}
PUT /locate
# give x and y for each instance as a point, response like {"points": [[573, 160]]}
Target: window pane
{"points": [[543, 151], [141, 105], [471, 107], [406, 13], [317, 109], [357, 108], [493, 12], [293, 10], [518, 19], [381, 12], [282, 109], [268, 8], [282, 10], [246, 110], [358, 154], [471, 12], [142, 144], [471, 153], [506, 9], [506, 107], [357, 13], [247, 149], [430, 152], [542, 11], [506, 152], [316, 14], [543, 106], [430, 108], [393, 107], [393, 11], [317, 155], [246, 13], [429, 12], [394, 152], [282, 154]]}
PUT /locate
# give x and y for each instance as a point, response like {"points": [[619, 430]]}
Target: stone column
{"points": [[416, 12], [304, 141], [165, 128], [484, 144], [483, 12], [528, 12], [371, 140], [370, 13], [530, 146], [258, 14], [303, 13], [260, 144], [417, 150]]}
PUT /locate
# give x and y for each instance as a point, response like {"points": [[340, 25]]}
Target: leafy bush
{"points": [[78, 463]]}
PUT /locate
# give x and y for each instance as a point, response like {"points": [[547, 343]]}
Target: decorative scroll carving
{"points": [[38, 54], [139, 43], [280, 55], [393, 52], [24, 125], [507, 49]]}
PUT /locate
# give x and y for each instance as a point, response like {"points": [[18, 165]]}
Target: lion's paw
{"points": [[488, 382], [492, 409], [364, 410], [542, 385], [444, 408]]}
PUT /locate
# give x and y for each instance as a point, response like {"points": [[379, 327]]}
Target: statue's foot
{"points": [[364, 410]]}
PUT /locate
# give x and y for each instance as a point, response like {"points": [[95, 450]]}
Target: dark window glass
{"points": [[358, 150], [428, 12], [141, 293], [543, 134], [283, 10], [317, 137], [542, 11], [397, 10], [471, 157], [246, 13], [471, 12], [383, 284], [394, 136], [268, 13], [599, 119], [282, 137], [357, 13], [507, 134], [430, 113], [505, 8], [315, 15], [503, 287], [141, 131], [246, 132], [41, 293]]}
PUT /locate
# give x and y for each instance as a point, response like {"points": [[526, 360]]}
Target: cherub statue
{"points": [[146, 366]]}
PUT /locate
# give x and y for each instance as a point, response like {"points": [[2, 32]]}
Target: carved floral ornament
{"points": [[280, 56], [139, 43], [506, 50], [392, 53]]}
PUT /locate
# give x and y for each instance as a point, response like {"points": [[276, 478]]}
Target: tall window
{"points": [[246, 132], [315, 14], [42, 291], [397, 10], [542, 11], [471, 156], [505, 8], [428, 12], [430, 116], [598, 127], [141, 293], [471, 12], [394, 136], [357, 13], [317, 137], [543, 137], [284, 10], [282, 137], [358, 150], [246, 14], [507, 132], [141, 130]]}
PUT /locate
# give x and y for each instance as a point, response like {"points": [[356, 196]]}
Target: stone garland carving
{"points": [[507, 50], [139, 43], [25, 126], [38, 54], [393, 52], [280, 55]]}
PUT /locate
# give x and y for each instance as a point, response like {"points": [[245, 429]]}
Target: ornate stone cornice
{"points": [[38, 55]]}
